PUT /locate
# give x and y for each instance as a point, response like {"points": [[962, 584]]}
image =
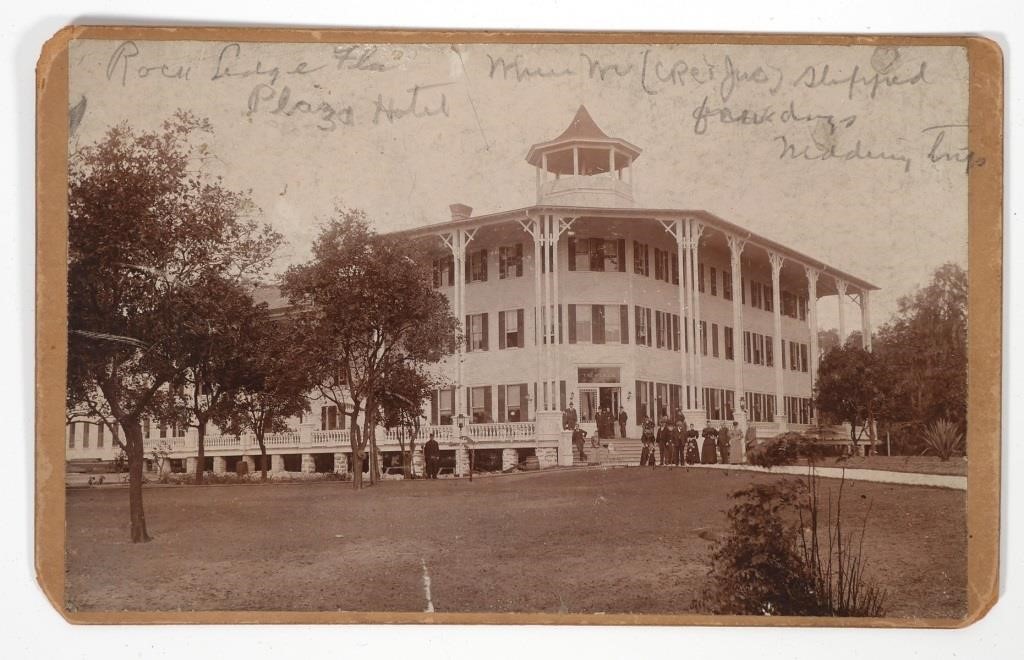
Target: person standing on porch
{"points": [[647, 438], [736, 443], [578, 438], [692, 450], [623, 418], [679, 444], [569, 418]]}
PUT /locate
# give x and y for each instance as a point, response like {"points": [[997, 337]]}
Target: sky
{"points": [[852, 155]]}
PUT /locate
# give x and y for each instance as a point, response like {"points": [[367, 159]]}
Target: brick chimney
{"points": [[460, 212]]}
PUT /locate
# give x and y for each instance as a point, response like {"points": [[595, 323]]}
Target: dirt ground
{"points": [[617, 541], [955, 466]]}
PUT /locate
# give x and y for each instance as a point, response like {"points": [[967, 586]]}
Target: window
{"points": [[675, 269], [803, 358], [643, 401], [476, 335], [768, 298], [598, 375], [789, 304], [675, 332], [700, 278], [748, 353], [85, 435], [794, 357], [641, 259], [510, 329], [71, 434], [513, 403], [597, 254], [510, 261], [328, 418], [583, 324], [476, 266], [714, 281], [703, 337], [659, 329], [480, 404], [755, 294], [714, 335], [727, 285], [613, 329], [99, 436], [444, 271], [729, 347], [446, 406], [802, 303], [659, 264], [769, 350], [643, 326]]}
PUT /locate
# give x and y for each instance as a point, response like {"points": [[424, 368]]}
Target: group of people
{"points": [[681, 445], [605, 419]]}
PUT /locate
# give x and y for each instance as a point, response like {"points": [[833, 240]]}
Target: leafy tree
{"points": [[371, 305], [273, 386], [145, 225], [924, 349], [401, 399], [851, 388]]}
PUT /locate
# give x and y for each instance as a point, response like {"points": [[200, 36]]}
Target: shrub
{"points": [[943, 439], [780, 558], [783, 449]]}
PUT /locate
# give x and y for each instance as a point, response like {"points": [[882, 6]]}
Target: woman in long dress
{"points": [[708, 450]]}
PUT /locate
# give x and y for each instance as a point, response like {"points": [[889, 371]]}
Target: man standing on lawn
{"points": [[432, 456]]}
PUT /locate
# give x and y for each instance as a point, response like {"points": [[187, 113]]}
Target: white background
{"points": [[29, 627]]}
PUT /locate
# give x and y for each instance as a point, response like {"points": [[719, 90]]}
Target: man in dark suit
{"points": [[569, 418], [623, 418], [664, 442], [679, 443], [432, 456]]}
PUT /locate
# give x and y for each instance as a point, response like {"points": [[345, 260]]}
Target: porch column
{"points": [[456, 242], [736, 245], [812, 319], [556, 346], [777, 260], [865, 319], [689, 337], [696, 229], [549, 348], [684, 356], [841, 295], [533, 227]]}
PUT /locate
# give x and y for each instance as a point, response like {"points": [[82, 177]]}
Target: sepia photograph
{"points": [[518, 327]]}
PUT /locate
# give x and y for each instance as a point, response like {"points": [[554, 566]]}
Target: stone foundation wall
{"points": [[547, 457], [308, 464]]}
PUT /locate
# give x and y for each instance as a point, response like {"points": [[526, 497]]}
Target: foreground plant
{"points": [[943, 439], [787, 554]]}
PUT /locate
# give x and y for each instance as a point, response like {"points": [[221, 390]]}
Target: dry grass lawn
{"points": [[617, 541]]}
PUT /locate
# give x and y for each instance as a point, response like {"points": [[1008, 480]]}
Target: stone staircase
{"points": [[618, 451]]}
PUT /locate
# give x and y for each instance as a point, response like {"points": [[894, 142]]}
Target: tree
{"points": [[401, 398], [851, 388], [145, 224], [273, 387], [369, 304], [212, 345], [924, 349]]}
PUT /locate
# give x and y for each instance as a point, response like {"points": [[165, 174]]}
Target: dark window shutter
{"points": [[502, 263], [572, 324], [622, 255], [782, 355], [467, 261], [483, 264], [647, 261], [469, 334], [486, 329], [561, 394], [572, 253], [434, 407], [597, 321], [637, 318], [597, 255], [501, 403], [659, 339], [649, 327], [488, 409], [639, 408], [501, 330], [521, 333], [624, 323], [469, 402], [451, 271], [519, 259], [524, 402]]}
